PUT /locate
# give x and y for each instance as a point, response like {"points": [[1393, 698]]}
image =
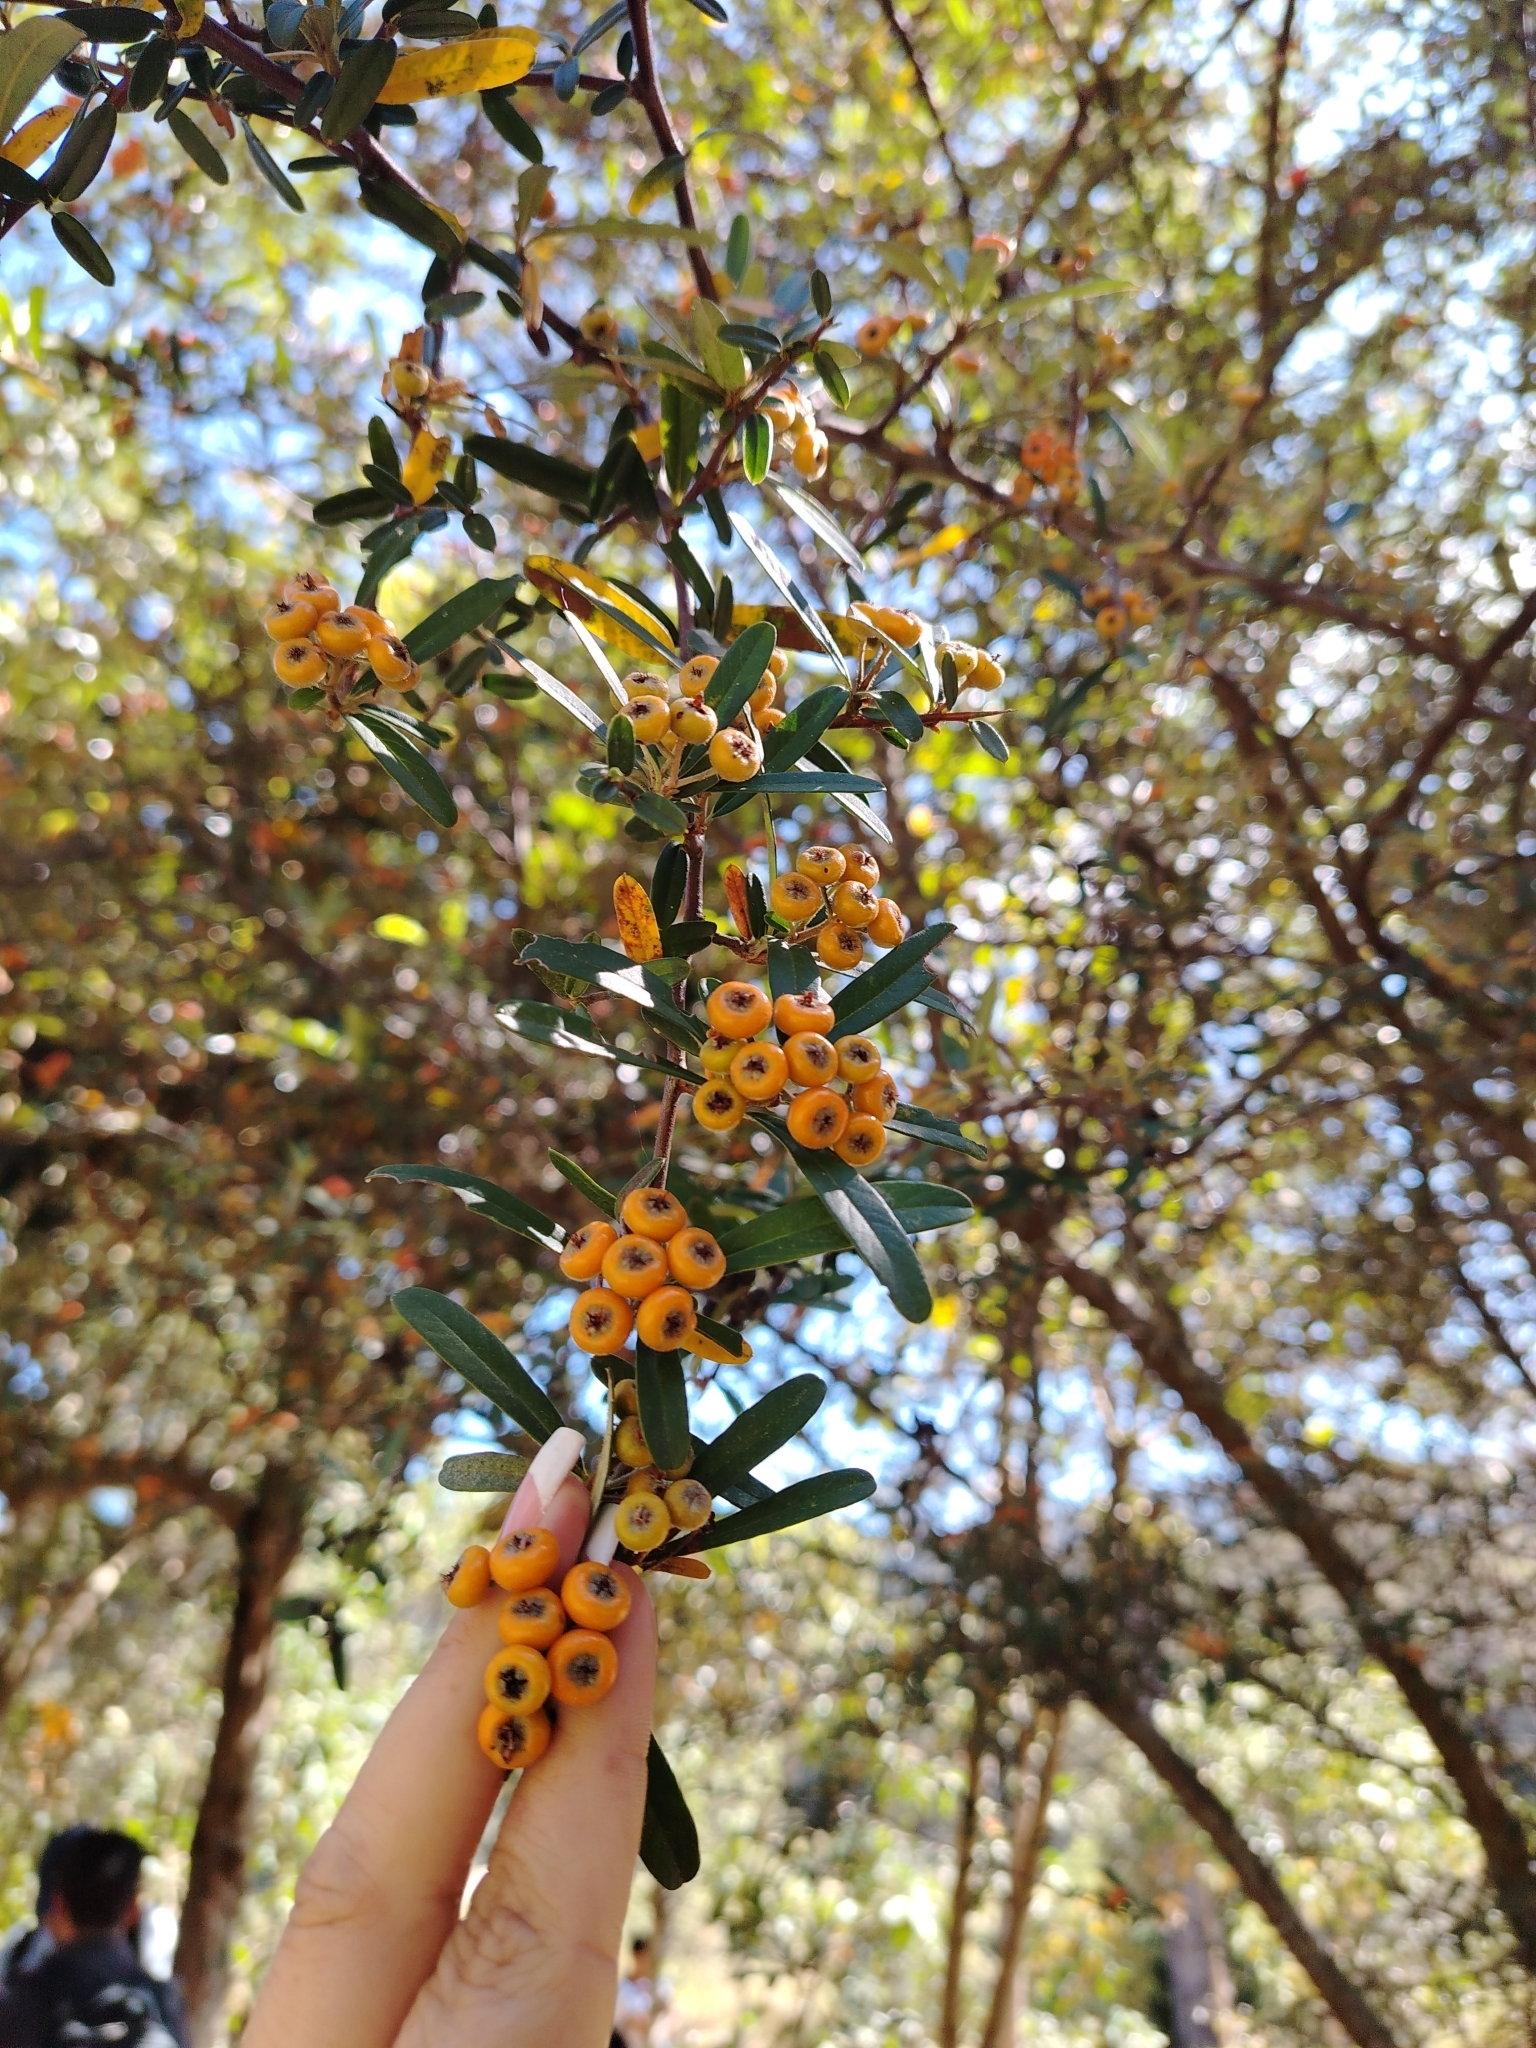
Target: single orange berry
{"points": [[817, 1119], [652, 1212], [812, 1059], [582, 1668], [889, 925], [823, 864], [694, 674], [343, 633], [517, 1679], [288, 620], [840, 947], [695, 1258], [860, 865], [534, 1617], [858, 1059], [762, 698], [771, 719], [470, 1579], [595, 1595], [630, 1444], [1111, 622], [634, 1267], [582, 1257], [879, 1098], [855, 904], [693, 721], [298, 663], [601, 1321], [735, 755], [390, 659], [689, 1503], [642, 1523], [794, 897], [513, 1741], [717, 1107], [308, 588], [862, 1143], [651, 718], [524, 1558], [666, 1318], [649, 1479], [803, 1012], [738, 1009], [758, 1072], [716, 1054]]}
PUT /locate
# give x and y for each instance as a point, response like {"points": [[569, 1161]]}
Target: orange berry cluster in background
{"points": [[322, 641], [645, 1275], [1118, 613], [556, 1647]]}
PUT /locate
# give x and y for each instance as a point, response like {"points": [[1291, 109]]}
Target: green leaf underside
{"points": [[787, 588], [568, 1031], [802, 1502], [463, 1342], [483, 1472], [644, 983], [758, 1432], [669, 1841], [803, 1229], [553, 688], [485, 1198], [663, 1393]]}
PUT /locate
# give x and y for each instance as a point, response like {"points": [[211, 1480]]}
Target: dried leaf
{"points": [[34, 136], [736, 897], [639, 932]]}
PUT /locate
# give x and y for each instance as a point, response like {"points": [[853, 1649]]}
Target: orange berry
{"points": [[717, 1107], [879, 1098], [642, 1523], [651, 717], [817, 1119], [694, 674], [889, 926], [860, 865], [298, 662], [689, 1503], [695, 1259], [634, 1267], [470, 1579], [812, 1059], [716, 1054], [514, 1741], [693, 721], [595, 1595], [649, 1479], [794, 897], [855, 904], [905, 628], [778, 664], [666, 1319], [738, 1009], [858, 1059], [390, 659], [288, 620], [517, 1679], [343, 633], [601, 1321], [823, 864], [534, 1617], [771, 719], [626, 1398], [863, 1141], [1110, 623], [840, 947], [758, 1072], [803, 1012], [524, 1558], [735, 755], [630, 1444], [763, 696], [308, 588], [582, 1257], [652, 1212], [582, 1668]]}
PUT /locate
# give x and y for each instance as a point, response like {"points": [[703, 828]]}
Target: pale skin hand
{"points": [[375, 1955]]}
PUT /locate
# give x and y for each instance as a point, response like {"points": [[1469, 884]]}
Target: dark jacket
{"points": [[35, 2010]]}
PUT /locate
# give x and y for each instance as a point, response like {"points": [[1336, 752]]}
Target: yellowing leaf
{"points": [[28, 53], [736, 896], [638, 930], [571, 586], [405, 931], [477, 63], [34, 136], [425, 464], [946, 538], [191, 12]]}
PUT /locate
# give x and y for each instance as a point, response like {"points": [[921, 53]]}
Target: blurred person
{"points": [[28, 1944], [639, 1998], [92, 1988]]}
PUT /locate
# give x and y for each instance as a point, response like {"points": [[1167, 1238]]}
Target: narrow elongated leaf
{"points": [[804, 726], [410, 768], [903, 714], [787, 587], [484, 1472], [462, 1341], [822, 756], [20, 185], [566, 699], [742, 668], [108, 24], [818, 519], [584, 1184], [569, 483], [804, 1230], [346, 506], [480, 62], [78, 242], [567, 1031], [895, 996], [82, 153], [658, 179], [790, 969], [272, 170], [647, 985], [913, 1122], [663, 1393], [28, 53], [403, 209], [815, 782], [874, 1230], [874, 981], [990, 740], [482, 601], [358, 86], [669, 1841], [756, 446], [660, 812], [802, 1502], [485, 1198], [511, 127], [722, 1334], [198, 146], [759, 1432], [738, 248]]}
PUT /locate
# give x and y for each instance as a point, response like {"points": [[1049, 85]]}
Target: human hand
{"points": [[375, 1954]]}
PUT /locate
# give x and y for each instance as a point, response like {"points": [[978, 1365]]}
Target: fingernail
{"points": [[604, 1540], [544, 1478]]}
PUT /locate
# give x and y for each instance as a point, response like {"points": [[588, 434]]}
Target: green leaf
{"points": [[990, 740], [584, 1184], [481, 602], [568, 1031], [658, 179], [407, 765], [661, 812], [682, 941], [790, 498], [738, 249], [645, 984], [682, 411], [804, 1230], [464, 1343], [727, 365], [935, 1130], [198, 146], [82, 153], [485, 1198], [663, 1393], [742, 668], [569, 483], [759, 1432], [790, 969], [756, 446], [802, 1502], [362, 78], [20, 185], [669, 1841], [831, 376], [346, 506], [811, 717], [903, 714], [79, 243], [872, 1226], [821, 294], [787, 587], [151, 70], [566, 699], [398, 205], [895, 996], [484, 1472], [819, 782], [620, 745], [723, 1335], [272, 171], [28, 55], [857, 994]]}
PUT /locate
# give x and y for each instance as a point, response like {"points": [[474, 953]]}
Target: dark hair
{"points": [[97, 1877], [48, 1864]]}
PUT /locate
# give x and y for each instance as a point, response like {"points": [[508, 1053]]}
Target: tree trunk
{"points": [[1028, 1841], [960, 1906], [268, 1537], [1342, 1998], [1200, 1988]]}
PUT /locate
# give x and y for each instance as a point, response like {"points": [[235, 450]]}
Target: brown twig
{"points": [[898, 30], [647, 90]]}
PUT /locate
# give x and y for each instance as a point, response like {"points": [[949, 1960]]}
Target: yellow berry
{"points": [[734, 755], [290, 620], [643, 1522], [794, 897], [298, 662], [693, 721], [651, 717], [838, 947]]}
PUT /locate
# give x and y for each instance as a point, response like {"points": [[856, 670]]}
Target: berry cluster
{"points": [[842, 1097], [1051, 460], [972, 664], [670, 714], [655, 1501], [321, 641], [645, 1273], [832, 890], [556, 1647], [1115, 614], [789, 413]]}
